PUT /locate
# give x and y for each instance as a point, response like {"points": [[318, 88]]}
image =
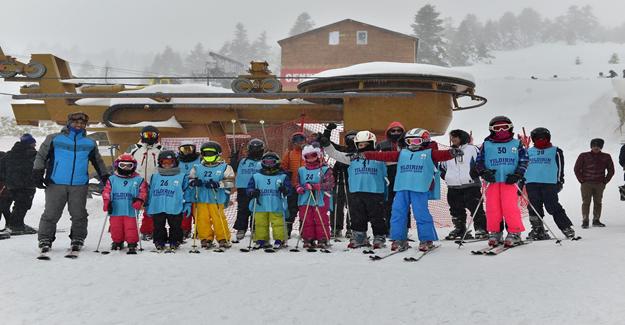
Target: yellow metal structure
{"points": [[260, 80]]}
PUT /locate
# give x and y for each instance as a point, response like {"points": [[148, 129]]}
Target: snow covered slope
{"points": [[576, 283]]}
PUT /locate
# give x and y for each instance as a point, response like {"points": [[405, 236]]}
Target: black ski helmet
{"points": [[270, 162], [149, 130], [462, 135], [255, 149], [167, 154], [540, 133]]}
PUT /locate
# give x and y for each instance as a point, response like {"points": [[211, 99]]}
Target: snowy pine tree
{"points": [[509, 31], [578, 61], [302, 24], [429, 28], [195, 62], [467, 46], [614, 59], [530, 26], [239, 48], [260, 49]]}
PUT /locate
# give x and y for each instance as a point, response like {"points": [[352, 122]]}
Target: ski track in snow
{"points": [[576, 283]]}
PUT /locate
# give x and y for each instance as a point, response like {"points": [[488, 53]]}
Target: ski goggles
{"points": [[395, 131], [270, 162], [298, 138], [149, 135], [126, 165], [414, 141], [501, 127], [311, 156], [78, 117], [186, 149]]}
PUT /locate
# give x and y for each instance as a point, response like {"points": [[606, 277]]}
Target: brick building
{"points": [[342, 44]]}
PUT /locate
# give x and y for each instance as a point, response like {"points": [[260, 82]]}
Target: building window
{"points": [[333, 38], [361, 37]]}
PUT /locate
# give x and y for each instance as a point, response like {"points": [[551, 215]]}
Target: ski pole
{"points": [[234, 139], [302, 226], [477, 207], [348, 216], [286, 237], [101, 234], [138, 232], [253, 228], [224, 220], [262, 126], [315, 202], [558, 240], [194, 249]]}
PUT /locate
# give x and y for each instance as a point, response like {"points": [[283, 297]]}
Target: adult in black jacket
{"points": [[15, 172]]}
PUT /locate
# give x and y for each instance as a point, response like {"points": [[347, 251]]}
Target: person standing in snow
{"points": [[593, 169], [367, 180], [15, 172], [146, 153], [123, 196], [464, 188], [64, 158], [244, 170], [544, 179], [502, 162], [414, 181], [187, 157], [5, 207], [291, 162], [394, 133]]}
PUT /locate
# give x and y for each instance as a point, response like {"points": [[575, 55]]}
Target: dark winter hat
{"points": [[462, 135], [597, 142], [26, 138]]}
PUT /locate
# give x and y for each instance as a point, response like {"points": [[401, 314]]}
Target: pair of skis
{"points": [[71, 254], [496, 250], [415, 258]]}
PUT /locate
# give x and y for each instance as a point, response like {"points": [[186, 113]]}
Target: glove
{"points": [[137, 203], [488, 175], [308, 186], [325, 142], [331, 126], [211, 184], [456, 152], [254, 194], [513, 178], [186, 210], [38, 178], [560, 186], [283, 190], [103, 179], [300, 190], [194, 182]]}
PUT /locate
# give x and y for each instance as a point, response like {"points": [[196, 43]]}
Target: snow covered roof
{"points": [[170, 123], [394, 68], [350, 21], [184, 88]]}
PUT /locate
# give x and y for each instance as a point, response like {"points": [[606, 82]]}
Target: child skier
{"points": [[212, 180], [267, 190], [464, 188], [416, 167], [244, 169], [544, 179], [367, 185], [168, 201], [123, 196], [187, 157], [314, 181], [502, 162]]}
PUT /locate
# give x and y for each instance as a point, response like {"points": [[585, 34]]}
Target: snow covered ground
{"points": [[576, 283]]}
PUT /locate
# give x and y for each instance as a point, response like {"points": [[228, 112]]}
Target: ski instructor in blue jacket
{"points": [[64, 160]]}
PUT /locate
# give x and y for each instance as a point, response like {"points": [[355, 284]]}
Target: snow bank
{"points": [[372, 68]]}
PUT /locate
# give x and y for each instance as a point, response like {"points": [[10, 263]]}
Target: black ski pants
{"points": [[541, 194], [243, 210], [365, 208], [293, 208], [22, 202], [338, 215], [160, 232], [462, 199]]}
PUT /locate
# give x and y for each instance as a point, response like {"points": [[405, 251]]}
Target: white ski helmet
{"points": [[414, 138], [365, 136], [308, 149]]}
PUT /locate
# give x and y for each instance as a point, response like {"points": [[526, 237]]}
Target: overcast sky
{"points": [[149, 25]]}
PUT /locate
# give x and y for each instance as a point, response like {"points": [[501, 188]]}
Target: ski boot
{"points": [[259, 244], [337, 233], [117, 246], [44, 243], [512, 239], [206, 243], [174, 246], [359, 239], [379, 242], [585, 223], [400, 245], [308, 243], [223, 244], [5, 234], [569, 232], [159, 246], [426, 245], [77, 244], [322, 244], [597, 223], [186, 234], [132, 249], [481, 234], [494, 238], [538, 233], [240, 235], [278, 244], [348, 233], [457, 233]]}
